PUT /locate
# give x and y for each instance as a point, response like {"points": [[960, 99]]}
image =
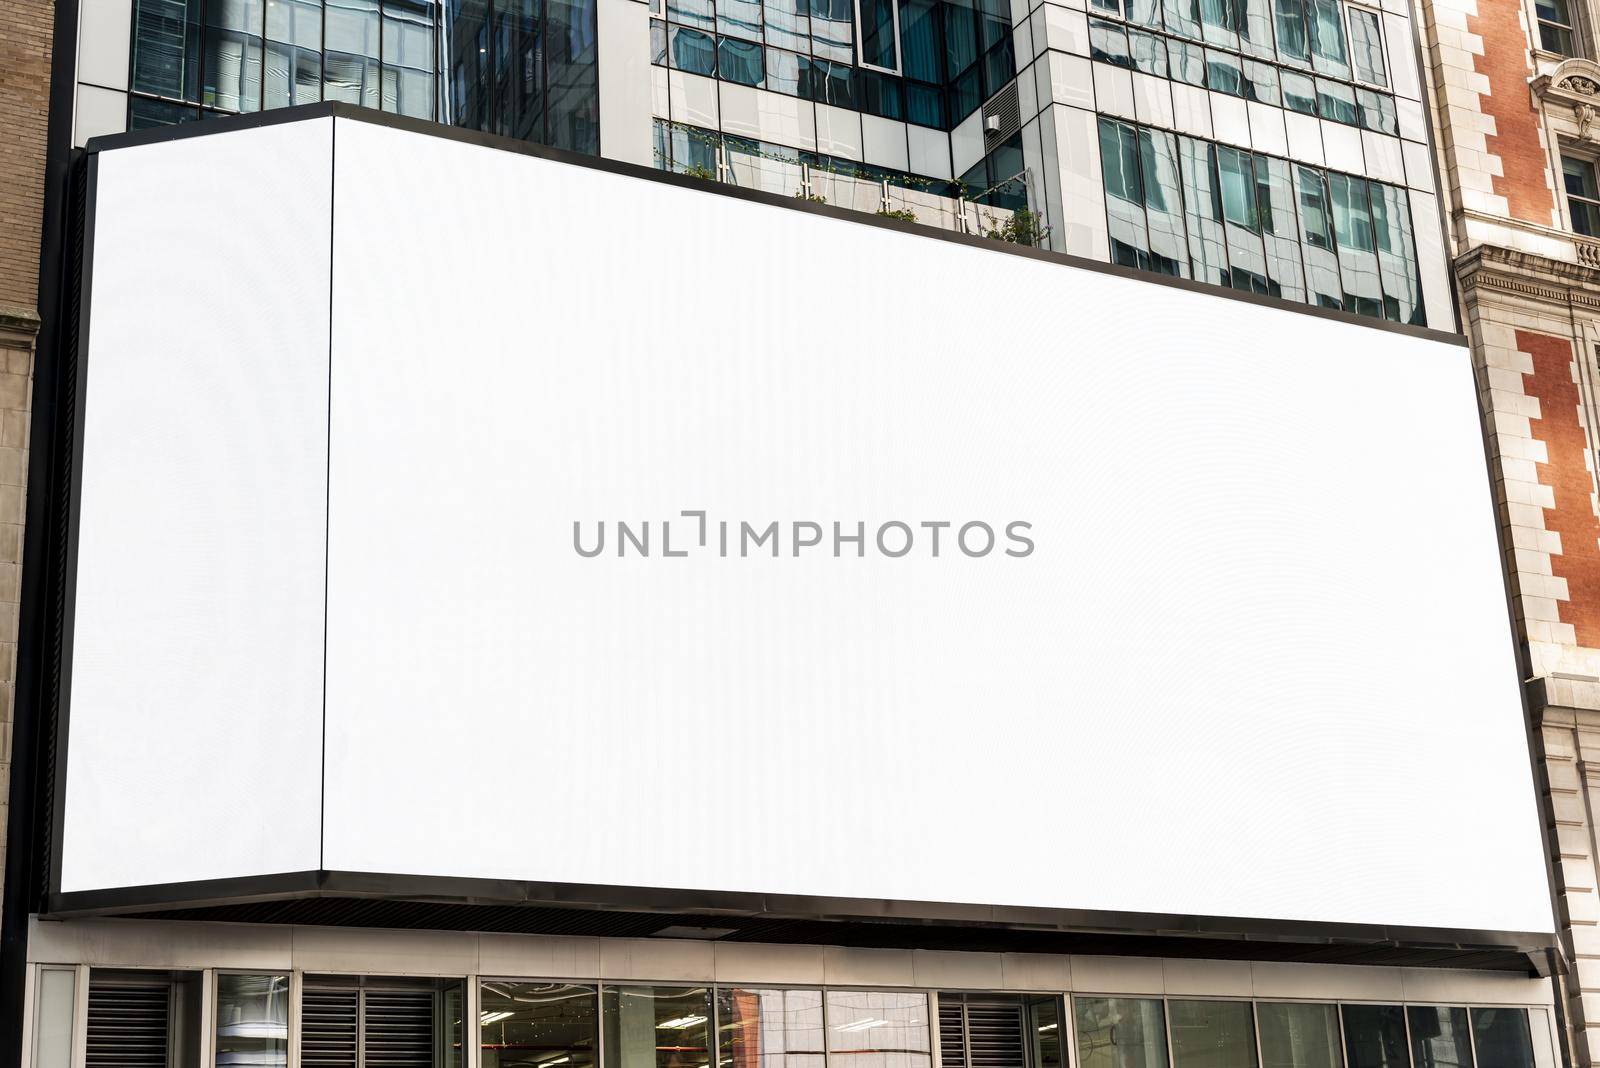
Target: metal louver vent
{"points": [[994, 1035], [1007, 110], [328, 1028], [128, 1025], [399, 1029], [952, 1034]]}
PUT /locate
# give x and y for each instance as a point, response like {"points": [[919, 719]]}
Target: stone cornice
{"points": [[18, 326], [1574, 83], [1529, 276]]}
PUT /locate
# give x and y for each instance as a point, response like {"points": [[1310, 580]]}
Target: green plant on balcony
{"points": [[904, 214], [701, 171], [1023, 228], [814, 198]]}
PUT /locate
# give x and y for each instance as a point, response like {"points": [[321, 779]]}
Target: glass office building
{"points": [[1274, 147]]}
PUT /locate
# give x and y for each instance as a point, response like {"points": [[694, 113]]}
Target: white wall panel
{"points": [[1216, 663], [1218, 686], [196, 694]]}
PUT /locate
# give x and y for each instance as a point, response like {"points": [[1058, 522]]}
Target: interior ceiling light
{"points": [[677, 1023], [862, 1025], [493, 1017]]}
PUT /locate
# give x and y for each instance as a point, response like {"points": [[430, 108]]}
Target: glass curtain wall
{"points": [[950, 56], [192, 58], [526, 69], [1313, 66], [1258, 224]]}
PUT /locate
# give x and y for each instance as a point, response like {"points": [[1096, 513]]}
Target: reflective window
{"points": [[1291, 24], [1119, 163], [1501, 1038], [1120, 1033], [1108, 43], [1163, 202], [1397, 255], [879, 1029], [1583, 195], [252, 1021], [1337, 102], [1202, 209], [1299, 93], [740, 61], [1212, 1034], [1182, 17], [537, 1025], [879, 46], [1299, 1036], [1223, 72], [1261, 82], [1366, 47], [1279, 234], [693, 51], [1149, 53], [1555, 26], [769, 1028], [1325, 22], [656, 1026], [1439, 1037], [1188, 62], [1377, 112], [1375, 1036]]}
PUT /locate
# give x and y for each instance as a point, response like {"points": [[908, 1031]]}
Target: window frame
{"points": [[899, 51], [1383, 46], [1570, 151]]}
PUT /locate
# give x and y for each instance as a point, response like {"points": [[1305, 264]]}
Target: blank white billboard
{"points": [[1239, 646]]}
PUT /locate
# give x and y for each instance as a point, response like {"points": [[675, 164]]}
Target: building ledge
{"points": [[1533, 276]]}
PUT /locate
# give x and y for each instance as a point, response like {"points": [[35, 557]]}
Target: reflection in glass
{"points": [[1202, 212], [1108, 43], [1439, 1037], [1246, 256], [1502, 1039], [1163, 202], [1119, 166], [1188, 62], [1279, 231], [656, 1026], [1337, 101], [1212, 1034], [878, 1029], [878, 45], [1316, 237], [1299, 93], [537, 1025], [760, 1028], [1298, 1036], [1149, 53], [1375, 1036], [1291, 23], [1044, 1027], [1120, 1033], [1366, 47], [1583, 195], [1326, 21], [252, 1021]]}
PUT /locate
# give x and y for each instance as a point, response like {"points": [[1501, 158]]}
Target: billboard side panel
{"points": [[196, 690]]}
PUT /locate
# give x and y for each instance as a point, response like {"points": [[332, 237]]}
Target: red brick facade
{"points": [[1566, 473], [1505, 63]]}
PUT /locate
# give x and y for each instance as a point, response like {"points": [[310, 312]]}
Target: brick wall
{"points": [[26, 28]]}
